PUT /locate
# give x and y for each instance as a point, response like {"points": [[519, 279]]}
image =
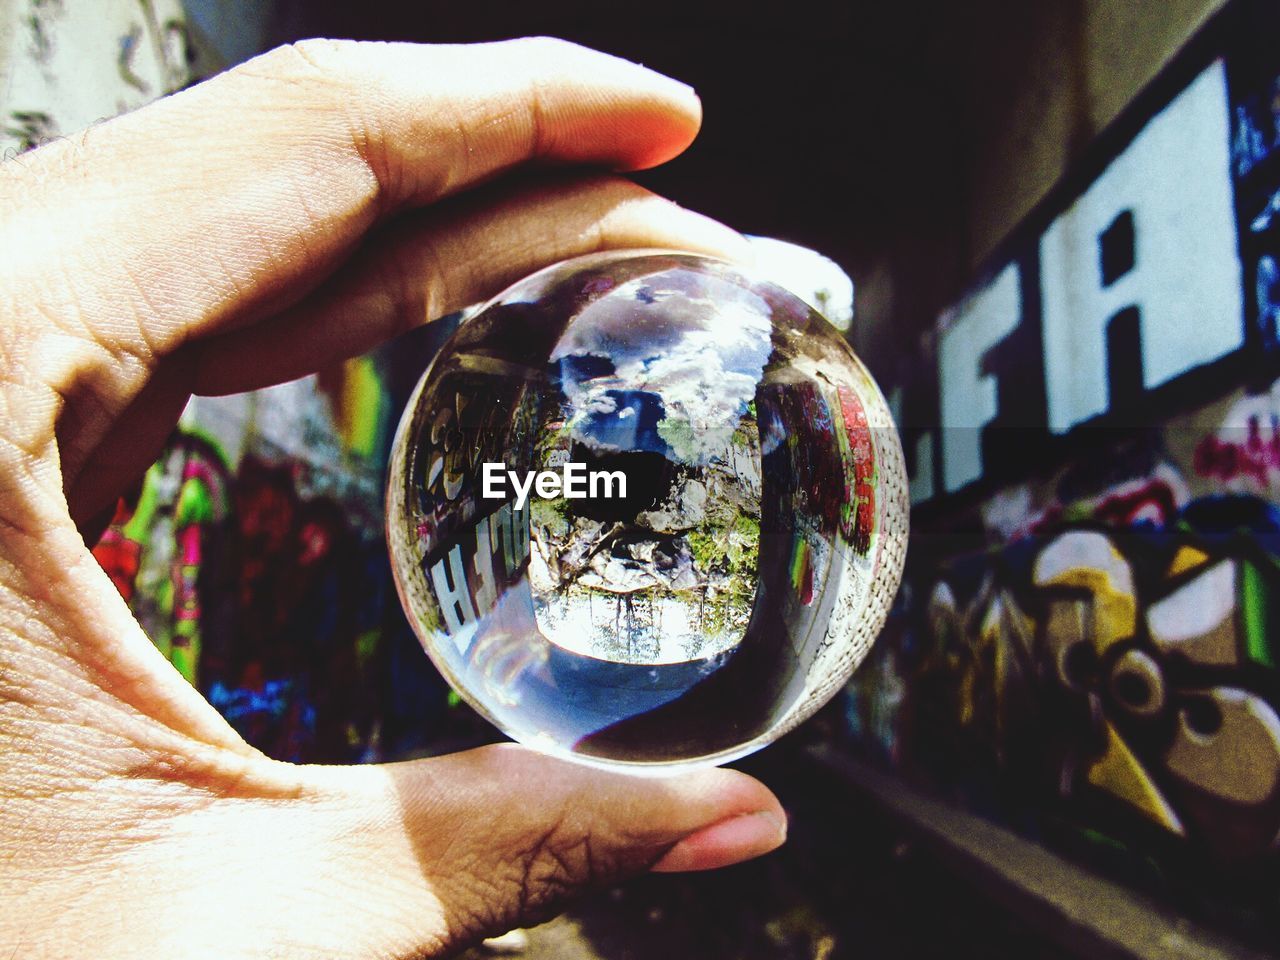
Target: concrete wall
{"points": [[1022, 88]]}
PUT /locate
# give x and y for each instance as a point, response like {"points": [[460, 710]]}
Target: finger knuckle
{"points": [[556, 864]]}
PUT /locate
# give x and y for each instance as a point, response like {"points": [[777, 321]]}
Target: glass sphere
{"points": [[645, 509]]}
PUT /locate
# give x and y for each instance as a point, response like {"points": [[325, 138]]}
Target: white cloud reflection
{"points": [[701, 351]]}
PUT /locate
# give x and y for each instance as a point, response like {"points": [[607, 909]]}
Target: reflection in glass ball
{"points": [[644, 509]]}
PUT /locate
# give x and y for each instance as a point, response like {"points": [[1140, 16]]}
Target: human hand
{"points": [[291, 212]]}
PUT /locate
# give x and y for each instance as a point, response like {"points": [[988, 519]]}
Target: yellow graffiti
{"points": [[360, 409], [1126, 662], [1186, 559], [1004, 641], [1120, 773], [1085, 560]]}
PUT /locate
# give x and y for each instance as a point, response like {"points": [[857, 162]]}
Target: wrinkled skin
{"points": [[294, 211]]}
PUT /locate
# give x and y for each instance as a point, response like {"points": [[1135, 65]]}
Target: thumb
{"points": [[473, 844]]}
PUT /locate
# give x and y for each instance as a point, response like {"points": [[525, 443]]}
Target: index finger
{"points": [[232, 199]]}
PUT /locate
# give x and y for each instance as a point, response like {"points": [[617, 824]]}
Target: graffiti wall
{"points": [[253, 554], [66, 66], [1087, 643]]}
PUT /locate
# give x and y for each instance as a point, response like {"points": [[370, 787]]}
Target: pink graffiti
{"points": [[1254, 457]]}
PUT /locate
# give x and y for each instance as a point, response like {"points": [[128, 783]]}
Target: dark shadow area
{"points": [[847, 886]]}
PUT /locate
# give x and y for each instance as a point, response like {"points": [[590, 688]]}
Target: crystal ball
{"points": [[646, 509]]}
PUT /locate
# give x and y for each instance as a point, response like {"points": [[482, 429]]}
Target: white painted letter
{"points": [[967, 397], [453, 597], [487, 586], [1179, 267], [500, 529]]}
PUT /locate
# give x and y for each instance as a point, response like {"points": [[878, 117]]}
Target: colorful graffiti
{"points": [[252, 553], [1087, 643], [1110, 689], [250, 591], [1128, 670], [156, 546]]}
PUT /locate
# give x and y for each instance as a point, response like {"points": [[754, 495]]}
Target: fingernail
{"points": [[729, 841]]}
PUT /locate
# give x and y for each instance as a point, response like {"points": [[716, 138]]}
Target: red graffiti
{"points": [[864, 469], [119, 556], [1254, 458], [1153, 502]]}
